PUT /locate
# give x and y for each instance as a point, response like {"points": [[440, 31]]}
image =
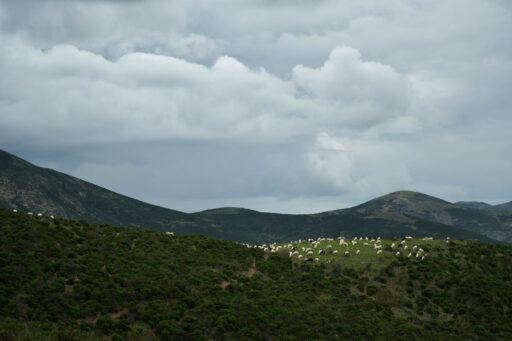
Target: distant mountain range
{"points": [[485, 206], [26, 187]]}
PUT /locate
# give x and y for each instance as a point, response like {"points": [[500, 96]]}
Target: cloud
{"points": [[283, 101]]}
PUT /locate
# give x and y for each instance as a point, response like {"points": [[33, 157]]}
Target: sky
{"points": [[287, 106]]}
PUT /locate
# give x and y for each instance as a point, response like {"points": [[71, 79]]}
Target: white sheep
{"points": [[347, 253], [409, 255], [169, 233], [316, 259], [379, 251], [405, 247], [300, 257], [30, 213], [414, 247], [15, 210], [397, 253], [335, 252], [354, 242], [357, 252], [309, 253], [39, 214], [365, 244], [393, 245]]}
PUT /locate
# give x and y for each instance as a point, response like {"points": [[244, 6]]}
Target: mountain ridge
{"points": [[27, 187]]}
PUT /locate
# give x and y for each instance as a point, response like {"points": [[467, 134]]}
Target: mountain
{"points": [[69, 280], [26, 187], [494, 224], [284, 227], [484, 206]]}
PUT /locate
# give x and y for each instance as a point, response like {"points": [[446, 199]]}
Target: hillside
{"points": [[29, 188], [70, 280], [494, 224], [284, 227]]}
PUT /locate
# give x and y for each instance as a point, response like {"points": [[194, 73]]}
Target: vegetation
{"points": [[69, 280]]}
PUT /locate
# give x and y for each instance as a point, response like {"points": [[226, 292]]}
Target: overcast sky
{"points": [[277, 105]]}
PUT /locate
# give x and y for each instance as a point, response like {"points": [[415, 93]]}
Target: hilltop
{"points": [[494, 224], [64, 279], [29, 188]]}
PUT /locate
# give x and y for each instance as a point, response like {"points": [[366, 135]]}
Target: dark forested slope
{"points": [[68, 280]]}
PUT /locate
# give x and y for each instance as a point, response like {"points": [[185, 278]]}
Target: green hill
{"points": [[69, 280]]}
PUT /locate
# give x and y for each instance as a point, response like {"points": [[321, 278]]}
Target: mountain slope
{"points": [[26, 187], [494, 224], [68, 280]]}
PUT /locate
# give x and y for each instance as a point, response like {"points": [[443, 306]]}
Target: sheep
{"points": [[397, 253], [408, 237], [422, 257], [335, 252], [409, 255], [30, 213], [15, 210], [366, 238], [354, 242], [317, 259], [405, 247], [393, 245], [357, 252], [291, 254], [328, 247], [360, 238], [321, 252], [415, 247], [379, 251], [303, 248], [347, 253], [39, 214], [365, 244], [300, 256], [309, 253], [169, 233], [428, 238], [51, 217], [342, 241], [417, 255]]}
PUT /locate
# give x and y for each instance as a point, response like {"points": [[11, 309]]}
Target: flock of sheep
{"points": [[327, 249]]}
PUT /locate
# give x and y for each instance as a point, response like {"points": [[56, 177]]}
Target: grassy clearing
{"points": [[363, 252]]}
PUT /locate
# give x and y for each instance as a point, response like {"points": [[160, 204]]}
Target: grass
{"points": [[367, 253]]}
